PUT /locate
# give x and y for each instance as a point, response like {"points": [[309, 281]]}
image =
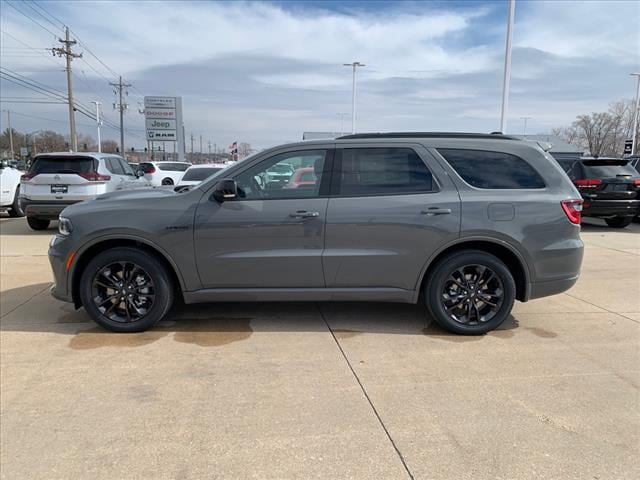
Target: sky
{"points": [[265, 72]]}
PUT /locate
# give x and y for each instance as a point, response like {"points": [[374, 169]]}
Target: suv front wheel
{"points": [[470, 292], [126, 290], [38, 223]]}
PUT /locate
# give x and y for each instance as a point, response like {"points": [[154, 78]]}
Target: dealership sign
{"points": [[160, 102], [159, 112], [162, 135], [156, 124]]}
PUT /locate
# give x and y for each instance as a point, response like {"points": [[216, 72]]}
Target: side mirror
{"points": [[139, 173], [225, 190]]}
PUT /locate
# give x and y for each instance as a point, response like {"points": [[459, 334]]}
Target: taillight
{"points": [[150, 170], [95, 176], [572, 209], [588, 182], [28, 176], [636, 182]]}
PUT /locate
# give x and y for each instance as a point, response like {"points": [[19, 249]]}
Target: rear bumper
{"points": [[45, 209], [610, 208], [553, 287]]}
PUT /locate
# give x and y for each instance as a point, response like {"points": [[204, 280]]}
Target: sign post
{"points": [[163, 121]]}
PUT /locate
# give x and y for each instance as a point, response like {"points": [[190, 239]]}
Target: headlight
{"points": [[64, 226]]}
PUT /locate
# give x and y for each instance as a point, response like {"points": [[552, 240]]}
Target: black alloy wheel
{"points": [[126, 289], [470, 292], [123, 292]]}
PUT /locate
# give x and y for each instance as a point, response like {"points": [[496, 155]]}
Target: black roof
{"points": [[486, 136]]}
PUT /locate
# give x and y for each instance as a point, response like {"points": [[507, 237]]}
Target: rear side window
{"points": [[173, 167], [382, 171], [63, 164], [113, 165], [607, 168], [199, 174], [483, 169], [147, 167]]}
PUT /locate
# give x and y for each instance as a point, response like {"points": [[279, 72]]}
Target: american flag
{"points": [[233, 147]]}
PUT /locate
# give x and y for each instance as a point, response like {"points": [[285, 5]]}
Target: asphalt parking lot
{"points": [[323, 390]]}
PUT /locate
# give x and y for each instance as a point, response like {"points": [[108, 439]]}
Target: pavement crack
{"points": [[26, 301], [603, 308], [366, 395]]}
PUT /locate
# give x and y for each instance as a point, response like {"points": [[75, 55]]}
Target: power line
{"points": [[41, 15], [62, 24], [30, 18]]}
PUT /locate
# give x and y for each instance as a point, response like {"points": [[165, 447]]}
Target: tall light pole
{"points": [[524, 128], [10, 135], [507, 68], [98, 123], [353, 65], [341, 115], [634, 130]]}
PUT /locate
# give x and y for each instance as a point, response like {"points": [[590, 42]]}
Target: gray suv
{"points": [[467, 223]]}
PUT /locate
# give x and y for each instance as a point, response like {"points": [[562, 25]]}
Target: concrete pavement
{"points": [[323, 390]]}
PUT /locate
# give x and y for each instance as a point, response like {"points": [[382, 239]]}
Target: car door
{"points": [[118, 178], [131, 180], [272, 236], [391, 208]]}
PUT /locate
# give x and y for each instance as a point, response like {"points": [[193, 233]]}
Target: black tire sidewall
{"points": [[16, 209], [441, 272], [38, 223], [167, 181], [154, 268], [619, 222]]}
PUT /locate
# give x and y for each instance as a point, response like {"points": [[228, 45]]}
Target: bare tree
{"points": [[109, 146], [244, 149]]}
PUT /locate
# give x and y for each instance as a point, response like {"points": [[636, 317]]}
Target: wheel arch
{"points": [[88, 251], [502, 250]]}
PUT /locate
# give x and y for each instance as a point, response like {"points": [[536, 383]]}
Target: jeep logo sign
{"points": [[156, 124]]}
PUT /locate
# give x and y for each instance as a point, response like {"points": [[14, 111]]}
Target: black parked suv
{"points": [[610, 188]]}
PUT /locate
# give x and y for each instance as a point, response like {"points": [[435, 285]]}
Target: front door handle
{"points": [[304, 214], [436, 211]]}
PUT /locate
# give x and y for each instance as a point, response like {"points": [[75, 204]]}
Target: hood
{"points": [[120, 199], [137, 194]]}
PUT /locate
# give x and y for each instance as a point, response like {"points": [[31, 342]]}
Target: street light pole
{"points": [[353, 65], [634, 130], [524, 128], [98, 123], [507, 68]]}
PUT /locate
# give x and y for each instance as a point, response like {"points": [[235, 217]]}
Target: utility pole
{"points": [[10, 135], [98, 123], [634, 130], [69, 56], [192, 144], [121, 106], [353, 65], [507, 68], [200, 149], [524, 128], [209, 148]]}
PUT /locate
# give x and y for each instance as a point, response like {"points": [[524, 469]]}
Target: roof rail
{"points": [[492, 136]]}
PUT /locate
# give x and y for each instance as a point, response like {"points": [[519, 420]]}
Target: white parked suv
{"points": [[10, 190], [164, 173], [197, 173], [56, 180]]}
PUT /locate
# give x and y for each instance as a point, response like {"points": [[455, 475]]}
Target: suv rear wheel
{"points": [[38, 223], [618, 222], [126, 290], [470, 292], [167, 181]]}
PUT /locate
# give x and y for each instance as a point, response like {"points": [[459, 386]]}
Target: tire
{"points": [[619, 222], [441, 291], [119, 316], [38, 223], [167, 181], [16, 209]]}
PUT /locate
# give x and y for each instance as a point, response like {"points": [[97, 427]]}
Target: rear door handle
{"points": [[436, 211], [304, 214]]}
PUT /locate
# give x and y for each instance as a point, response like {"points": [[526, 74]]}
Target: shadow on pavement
{"points": [[19, 226], [212, 325], [599, 226]]}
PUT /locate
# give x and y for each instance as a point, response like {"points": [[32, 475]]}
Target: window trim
{"points": [[437, 150], [337, 165], [325, 181]]}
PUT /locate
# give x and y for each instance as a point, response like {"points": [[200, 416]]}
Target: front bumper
{"points": [[45, 209], [58, 256], [610, 208]]}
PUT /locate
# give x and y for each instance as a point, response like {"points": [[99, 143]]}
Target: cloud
{"points": [[265, 73]]}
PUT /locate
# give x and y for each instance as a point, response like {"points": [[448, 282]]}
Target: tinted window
{"points": [[199, 174], [607, 168], [372, 171], [483, 169], [173, 167], [147, 167], [63, 164], [126, 168], [113, 165], [262, 181]]}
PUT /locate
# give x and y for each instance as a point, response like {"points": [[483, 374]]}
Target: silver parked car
{"points": [[467, 223], [56, 180]]}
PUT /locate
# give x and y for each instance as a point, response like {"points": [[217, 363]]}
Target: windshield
{"points": [[199, 174], [281, 168], [607, 168]]}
